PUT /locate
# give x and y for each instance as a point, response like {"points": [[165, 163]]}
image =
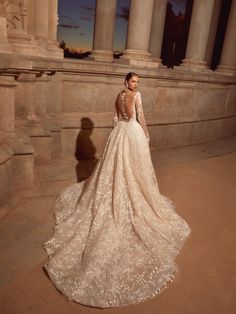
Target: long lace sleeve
{"points": [[115, 114], [140, 114]]}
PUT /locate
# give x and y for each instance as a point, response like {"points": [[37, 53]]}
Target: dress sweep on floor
{"points": [[116, 237]]}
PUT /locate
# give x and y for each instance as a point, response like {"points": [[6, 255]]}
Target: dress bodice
{"points": [[129, 107]]}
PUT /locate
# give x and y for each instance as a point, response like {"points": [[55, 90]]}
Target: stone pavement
{"points": [[200, 179]]}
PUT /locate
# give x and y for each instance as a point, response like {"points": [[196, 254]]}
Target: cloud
{"points": [[85, 18], [124, 14], [66, 17], [72, 26], [89, 10]]}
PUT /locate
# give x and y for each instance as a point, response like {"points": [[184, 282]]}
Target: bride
{"points": [[116, 236]]}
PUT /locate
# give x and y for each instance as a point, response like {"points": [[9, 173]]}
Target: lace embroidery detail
{"points": [[140, 114], [115, 118]]}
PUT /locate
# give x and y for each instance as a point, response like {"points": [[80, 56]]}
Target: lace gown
{"points": [[116, 237]]}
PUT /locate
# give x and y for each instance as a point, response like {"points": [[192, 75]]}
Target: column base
{"points": [[159, 61], [226, 69], [101, 55], [138, 58], [194, 66], [54, 50]]}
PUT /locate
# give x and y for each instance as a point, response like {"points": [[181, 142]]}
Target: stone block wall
{"points": [[63, 109]]}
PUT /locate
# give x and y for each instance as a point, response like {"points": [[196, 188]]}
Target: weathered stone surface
{"points": [[64, 109]]}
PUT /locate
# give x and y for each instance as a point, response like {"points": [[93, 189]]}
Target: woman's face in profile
{"points": [[133, 83]]}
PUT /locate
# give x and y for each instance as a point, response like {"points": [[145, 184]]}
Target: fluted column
{"points": [[157, 28], [198, 33], [139, 28], [53, 47], [228, 55], [41, 24], [104, 30]]}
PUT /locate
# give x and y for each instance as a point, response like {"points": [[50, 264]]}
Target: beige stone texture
{"points": [[104, 30], [55, 145], [212, 32], [7, 116], [157, 28], [23, 172], [95, 142], [54, 94], [230, 104], [138, 36], [228, 56], [42, 148], [6, 172], [198, 33], [5, 45]]}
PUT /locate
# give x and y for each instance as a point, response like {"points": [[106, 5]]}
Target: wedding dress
{"points": [[116, 237]]}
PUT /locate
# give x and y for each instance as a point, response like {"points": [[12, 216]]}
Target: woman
{"points": [[116, 237]]}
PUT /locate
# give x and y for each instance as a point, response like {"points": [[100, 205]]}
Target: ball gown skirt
{"points": [[116, 236]]}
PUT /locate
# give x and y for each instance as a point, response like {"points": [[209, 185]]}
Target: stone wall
{"points": [[54, 109]]}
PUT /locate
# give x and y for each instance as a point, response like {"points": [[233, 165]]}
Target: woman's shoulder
{"points": [[121, 93], [137, 95]]}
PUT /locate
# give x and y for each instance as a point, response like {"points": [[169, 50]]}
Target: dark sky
{"points": [[76, 20]]}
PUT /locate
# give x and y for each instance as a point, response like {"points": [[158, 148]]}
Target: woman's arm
{"points": [[140, 114], [115, 114]]}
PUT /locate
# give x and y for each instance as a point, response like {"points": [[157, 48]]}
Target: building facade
{"points": [[46, 100]]}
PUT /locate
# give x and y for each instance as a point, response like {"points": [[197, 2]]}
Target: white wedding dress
{"points": [[116, 237]]}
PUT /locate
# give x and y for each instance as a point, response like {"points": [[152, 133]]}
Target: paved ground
{"points": [[200, 179]]}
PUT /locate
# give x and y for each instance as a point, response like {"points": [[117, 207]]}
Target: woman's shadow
{"points": [[85, 150]]}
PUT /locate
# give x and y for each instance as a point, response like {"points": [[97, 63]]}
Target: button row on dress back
{"points": [[123, 107]]}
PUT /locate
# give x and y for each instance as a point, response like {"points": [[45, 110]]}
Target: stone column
{"points": [[53, 47], [213, 30], [104, 30], [41, 25], [157, 28], [228, 55], [5, 46], [139, 28], [198, 34]]}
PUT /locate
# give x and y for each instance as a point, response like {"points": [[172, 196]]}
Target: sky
{"points": [[76, 22]]}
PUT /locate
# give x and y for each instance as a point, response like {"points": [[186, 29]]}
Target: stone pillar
{"points": [[198, 34], [157, 28], [139, 28], [5, 45], [228, 55], [53, 47], [17, 29], [213, 30], [41, 25], [104, 30], [30, 10]]}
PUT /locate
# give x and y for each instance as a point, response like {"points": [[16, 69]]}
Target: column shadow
{"points": [[85, 150]]}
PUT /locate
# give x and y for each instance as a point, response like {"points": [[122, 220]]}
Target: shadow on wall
{"points": [[85, 150]]}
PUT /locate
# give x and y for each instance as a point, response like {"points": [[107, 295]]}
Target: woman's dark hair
{"points": [[130, 75]]}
